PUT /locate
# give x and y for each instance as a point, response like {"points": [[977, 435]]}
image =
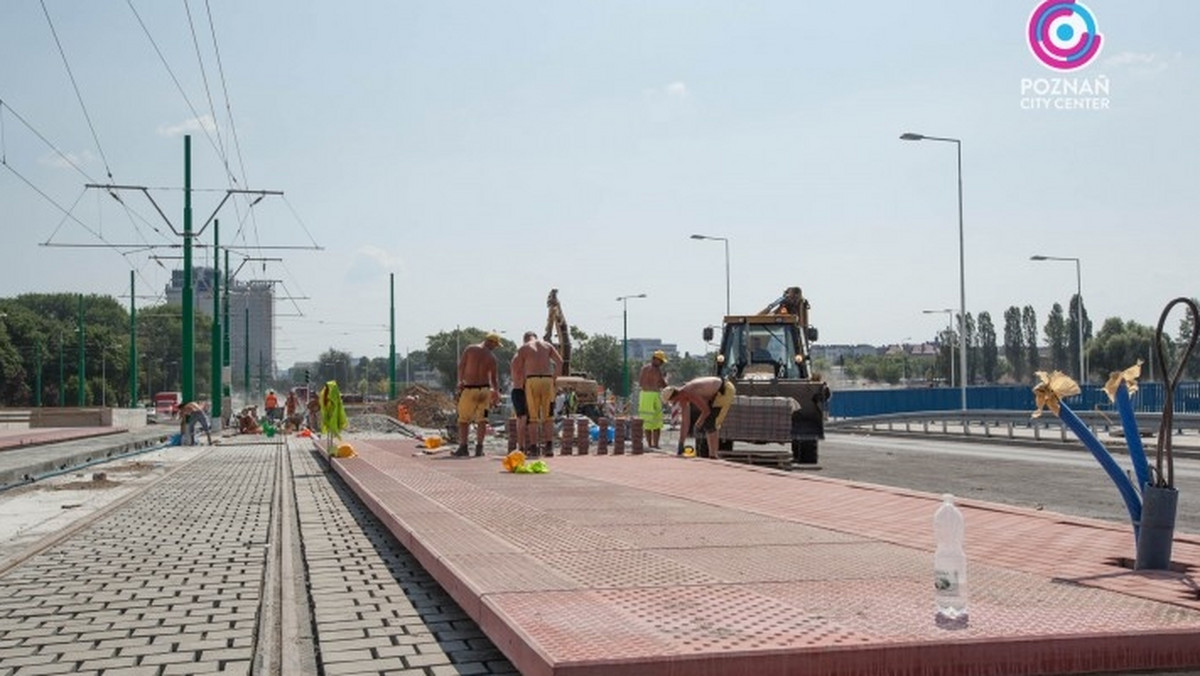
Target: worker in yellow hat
{"points": [[651, 380], [478, 388], [706, 401]]}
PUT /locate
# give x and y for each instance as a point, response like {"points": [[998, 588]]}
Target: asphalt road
{"points": [[1064, 481]]}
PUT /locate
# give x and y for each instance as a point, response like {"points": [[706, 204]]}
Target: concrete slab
{"points": [[654, 564], [28, 454]]}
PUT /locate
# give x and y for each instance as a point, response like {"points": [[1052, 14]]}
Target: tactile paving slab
{"points": [[658, 565]]}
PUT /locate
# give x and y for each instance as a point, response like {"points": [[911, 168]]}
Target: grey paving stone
{"points": [[465, 669], [169, 658], [426, 660], [193, 668], [202, 525], [83, 654], [48, 669]]}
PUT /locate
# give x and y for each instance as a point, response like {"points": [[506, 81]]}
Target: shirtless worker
{"points": [[191, 414], [651, 380], [478, 388], [712, 397], [541, 364], [519, 404]]}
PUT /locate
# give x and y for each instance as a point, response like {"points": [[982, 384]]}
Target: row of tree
{"points": [[1117, 345], [67, 349], [599, 356]]}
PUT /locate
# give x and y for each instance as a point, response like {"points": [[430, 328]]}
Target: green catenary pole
{"points": [[133, 351], [82, 359], [216, 325], [62, 388], [37, 392], [246, 354], [189, 318], [228, 389], [392, 345]]}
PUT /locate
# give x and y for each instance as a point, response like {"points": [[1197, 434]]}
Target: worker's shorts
{"points": [[650, 410], [473, 403], [539, 396], [520, 408]]}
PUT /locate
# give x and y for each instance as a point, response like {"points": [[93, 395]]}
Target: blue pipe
{"points": [[1133, 502], [1137, 453]]}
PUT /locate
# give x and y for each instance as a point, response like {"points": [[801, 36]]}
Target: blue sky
{"points": [[485, 152]]}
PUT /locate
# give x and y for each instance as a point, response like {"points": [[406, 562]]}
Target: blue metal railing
{"points": [[855, 403]]}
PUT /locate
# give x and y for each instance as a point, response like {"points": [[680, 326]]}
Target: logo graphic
{"points": [[1062, 34]]}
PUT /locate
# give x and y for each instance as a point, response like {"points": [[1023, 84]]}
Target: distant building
{"points": [[834, 353], [254, 300], [641, 349]]}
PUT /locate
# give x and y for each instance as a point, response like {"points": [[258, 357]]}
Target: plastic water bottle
{"points": [[949, 565]]}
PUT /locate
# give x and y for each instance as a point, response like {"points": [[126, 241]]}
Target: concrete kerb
{"points": [[1115, 445], [89, 452]]}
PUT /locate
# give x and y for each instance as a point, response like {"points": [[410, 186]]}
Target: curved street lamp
{"points": [[726, 241], [962, 270], [1078, 309]]}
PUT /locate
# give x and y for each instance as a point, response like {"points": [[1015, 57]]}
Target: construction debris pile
{"points": [[427, 408]]}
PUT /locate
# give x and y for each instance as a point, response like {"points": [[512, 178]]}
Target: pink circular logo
{"points": [[1062, 34]]}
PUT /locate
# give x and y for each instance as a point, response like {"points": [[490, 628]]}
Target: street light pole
{"points": [[1078, 305], [962, 266], [625, 338], [950, 326], [725, 240]]}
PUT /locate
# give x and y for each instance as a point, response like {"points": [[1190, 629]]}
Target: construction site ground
{"points": [[259, 555]]}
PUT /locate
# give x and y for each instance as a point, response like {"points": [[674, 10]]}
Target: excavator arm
{"points": [[556, 321]]}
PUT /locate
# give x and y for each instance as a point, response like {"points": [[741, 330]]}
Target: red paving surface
{"points": [[652, 564], [24, 438]]}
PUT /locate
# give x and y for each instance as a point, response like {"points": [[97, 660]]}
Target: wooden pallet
{"points": [[778, 458]]}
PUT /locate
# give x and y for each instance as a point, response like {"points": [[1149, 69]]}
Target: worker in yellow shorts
{"points": [[712, 397], [651, 381], [478, 388], [541, 363]]}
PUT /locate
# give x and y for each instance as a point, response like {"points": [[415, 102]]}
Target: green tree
{"points": [[1119, 345], [442, 351], [1014, 345], [1029, 325], [1184, 337], [943, 368], [601, 358], [989, 353], [160, 334], [877, 368], [14, 386], [972, 350], [334, 365], [690, 366], [1077, 310], [1055, 332]]}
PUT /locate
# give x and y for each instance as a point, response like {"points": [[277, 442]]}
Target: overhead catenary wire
{"points": [[204, 77], [68, 214], [179, 86], [41, 137], [237, 146], [78, 94]]}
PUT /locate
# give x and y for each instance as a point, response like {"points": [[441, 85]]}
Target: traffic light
{"points": [[305, 376]]}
